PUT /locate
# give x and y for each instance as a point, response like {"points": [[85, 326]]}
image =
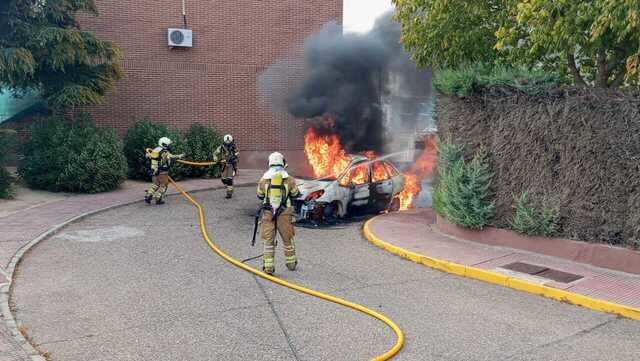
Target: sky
{"points": [[359, 15]]}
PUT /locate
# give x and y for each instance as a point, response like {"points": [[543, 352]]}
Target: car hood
{"points": [[309, 186]]}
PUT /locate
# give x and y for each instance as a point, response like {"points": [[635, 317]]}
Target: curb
{"points": [[5, 289], [503, 280]]}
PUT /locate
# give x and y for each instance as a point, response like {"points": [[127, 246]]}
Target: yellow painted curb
{"points": [[503, 280]]}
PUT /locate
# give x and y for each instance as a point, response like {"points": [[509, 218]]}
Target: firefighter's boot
{"points": [[291, 264], [268, 257], [268, 265], [148, 195], [291, 260]]}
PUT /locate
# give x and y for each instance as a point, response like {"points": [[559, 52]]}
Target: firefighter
{"points": [[227, 155], [276, 189], [161, 159]]}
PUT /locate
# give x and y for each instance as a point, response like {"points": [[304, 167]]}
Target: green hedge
{"points": [[7, 146], [473, 78], [145, 134], [462, 189], [201, 143], [72, 155], [198, 145]]}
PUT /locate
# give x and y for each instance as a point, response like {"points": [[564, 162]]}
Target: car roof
{"points": [[355, 159]]}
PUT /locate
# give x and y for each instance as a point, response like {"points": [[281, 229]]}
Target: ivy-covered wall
{"points": [[575, 150]]}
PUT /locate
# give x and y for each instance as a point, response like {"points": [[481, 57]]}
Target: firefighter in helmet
{"points": [[276, 189], [227, 155], [161, 159]]}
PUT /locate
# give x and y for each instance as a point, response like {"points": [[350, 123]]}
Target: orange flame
{"points": [[359, 175], [325, 153], [423, 166], [378, 172], [410, 190]]}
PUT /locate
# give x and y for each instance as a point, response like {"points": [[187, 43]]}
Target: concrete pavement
{"points": [[148, 288], [30, 218]]}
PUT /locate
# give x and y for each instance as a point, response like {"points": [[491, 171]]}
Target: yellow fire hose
{"points": [[385, 356], [197, 164]]}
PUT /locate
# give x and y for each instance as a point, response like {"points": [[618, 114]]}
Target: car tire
{"points": [[394, 206], [331, 212]]}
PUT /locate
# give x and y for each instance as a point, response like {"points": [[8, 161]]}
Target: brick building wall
{"points": [[214, 82]]}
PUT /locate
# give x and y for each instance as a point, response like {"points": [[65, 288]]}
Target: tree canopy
{"points": [[42, 47], [591, 42]]}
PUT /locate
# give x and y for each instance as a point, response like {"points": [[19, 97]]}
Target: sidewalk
{"points": [[18, 229], [413, 235]]}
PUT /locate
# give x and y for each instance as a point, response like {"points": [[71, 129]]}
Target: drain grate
{"points": [[544, 272], [559, 276]]}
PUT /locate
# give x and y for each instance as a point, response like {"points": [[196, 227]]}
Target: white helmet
{"points": [[228, 139], [276, 158], [164, 142]]}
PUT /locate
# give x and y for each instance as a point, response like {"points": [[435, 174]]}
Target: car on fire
{"points": [[365, 185]]}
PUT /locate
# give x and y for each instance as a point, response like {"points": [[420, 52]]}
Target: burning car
{"points": [[369, 185]]}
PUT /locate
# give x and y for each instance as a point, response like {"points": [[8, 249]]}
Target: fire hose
{"points": [[197, 164], [203, 229]]}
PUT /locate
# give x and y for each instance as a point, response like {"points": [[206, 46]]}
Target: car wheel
{"points": [[395, 205], [331, 212]]}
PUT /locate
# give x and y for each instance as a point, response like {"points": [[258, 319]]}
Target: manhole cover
{"points": [[541, 271]]}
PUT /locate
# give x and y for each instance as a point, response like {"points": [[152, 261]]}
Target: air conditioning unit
{"points": [[180, 37]]}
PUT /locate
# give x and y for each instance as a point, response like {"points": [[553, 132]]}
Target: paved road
{"points": [[138, 283]]}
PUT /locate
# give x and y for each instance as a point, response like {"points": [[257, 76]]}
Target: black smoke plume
{"points": [[345, 76]]}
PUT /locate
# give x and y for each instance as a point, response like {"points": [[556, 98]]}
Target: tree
{"points": [[43, 48], [451, 33], [595, 42], [592, 42]]}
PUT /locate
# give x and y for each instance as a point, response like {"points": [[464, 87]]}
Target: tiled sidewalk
{"points": [[415, 231], [20, 228]]}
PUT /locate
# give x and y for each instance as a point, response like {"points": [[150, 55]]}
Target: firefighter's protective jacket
{"points": [[227, 153], [161, 159]]}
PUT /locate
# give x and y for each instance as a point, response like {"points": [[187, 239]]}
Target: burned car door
{"points": [[358, 182], [397, 179], [381, 186]]}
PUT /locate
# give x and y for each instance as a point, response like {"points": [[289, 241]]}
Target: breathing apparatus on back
{"points": [[155, 154], [277, 190]]}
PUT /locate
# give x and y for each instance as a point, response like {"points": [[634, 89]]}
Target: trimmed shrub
{"points": [[533, 222], [633, 243], [201, 142], [6, 180], [72, 155], [449, 155], [462, 192], [145, 134], [7, 145], [470, 79]]}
